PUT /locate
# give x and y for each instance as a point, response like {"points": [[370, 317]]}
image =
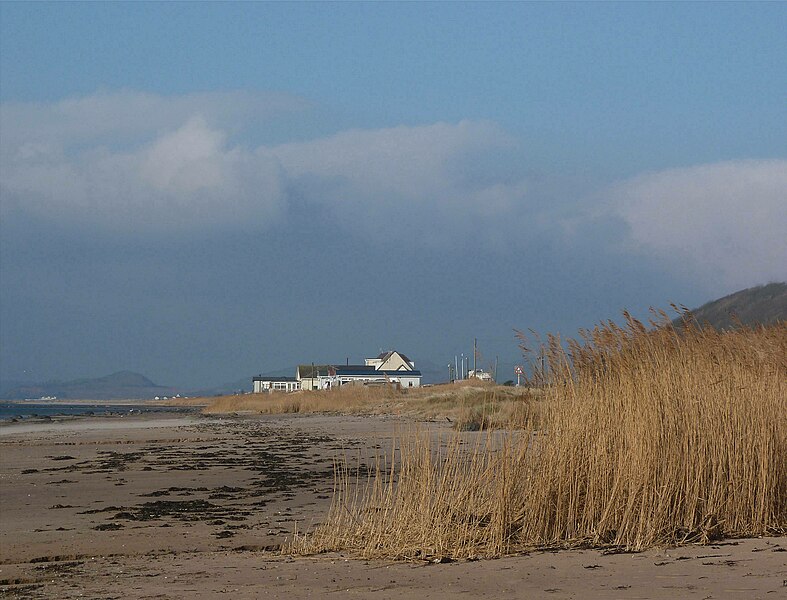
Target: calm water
{"points": [[10, 410]]}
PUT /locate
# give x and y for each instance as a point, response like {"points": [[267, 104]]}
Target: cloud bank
{"points": [[132, 117], [724, 223], [417, 179], [131, 161]]}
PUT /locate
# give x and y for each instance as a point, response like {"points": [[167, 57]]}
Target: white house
{"points": [[389, 368]]}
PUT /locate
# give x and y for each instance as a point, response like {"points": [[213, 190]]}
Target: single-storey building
{"points": [[324, 377], [275, 384], [368, 375]]}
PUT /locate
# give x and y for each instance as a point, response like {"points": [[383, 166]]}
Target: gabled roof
{"points": [[272, 379], [386, 355]]}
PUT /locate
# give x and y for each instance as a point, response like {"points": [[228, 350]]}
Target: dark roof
{"points": [[413, 373], [386, 355], [345, 369], [273, 379], [372, 372], [306, 371]]}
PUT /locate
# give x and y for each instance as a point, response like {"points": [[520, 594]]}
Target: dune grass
{"points": [[644, 437], [468, 405]]}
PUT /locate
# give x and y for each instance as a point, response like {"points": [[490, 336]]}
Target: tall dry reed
{"points": [[646, 436]]}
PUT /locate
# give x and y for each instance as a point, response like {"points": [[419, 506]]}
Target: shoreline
{"points": [[117, 422], [14, 414], [88, 402], [143, 506]]}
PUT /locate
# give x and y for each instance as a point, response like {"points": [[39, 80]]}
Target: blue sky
{"points": [[203, 191]]}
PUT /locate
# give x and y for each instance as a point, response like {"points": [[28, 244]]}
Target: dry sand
{"points": [[190, 507]]}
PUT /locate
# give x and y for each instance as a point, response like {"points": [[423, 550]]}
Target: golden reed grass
{"points": [[645, 437]]}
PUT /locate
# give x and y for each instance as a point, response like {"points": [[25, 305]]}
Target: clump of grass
{"points": [[645, 437], [475, 418], [491, 411]]}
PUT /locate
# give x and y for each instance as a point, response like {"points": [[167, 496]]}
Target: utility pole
{"points": [[475, 355], [543, 368], [496, 359]]}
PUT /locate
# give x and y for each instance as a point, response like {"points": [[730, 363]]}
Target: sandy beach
{"points": [[174, 506]]}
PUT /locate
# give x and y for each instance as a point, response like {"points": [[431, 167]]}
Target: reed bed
{"points": [[644, 437]]}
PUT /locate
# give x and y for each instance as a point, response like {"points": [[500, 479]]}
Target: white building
{"points": [[275, 384], [324, 377], [389, 368], [312, 377], [391, 361], [368, 375], [479, 374]]}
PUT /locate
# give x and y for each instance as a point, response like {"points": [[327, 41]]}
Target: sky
{"points": [[201, 192]]}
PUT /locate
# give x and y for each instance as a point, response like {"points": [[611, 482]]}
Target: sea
{"points": [[26, 410]]}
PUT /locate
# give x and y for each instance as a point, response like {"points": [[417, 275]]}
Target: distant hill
{"points": [[126, 385], [123, 385], [232, 387], [763, 304]]}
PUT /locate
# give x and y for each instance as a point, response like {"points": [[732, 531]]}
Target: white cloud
{"points": [[133, 161], [724, 223], [130, 116], [187, 160], [184, 179], [418, 177]]}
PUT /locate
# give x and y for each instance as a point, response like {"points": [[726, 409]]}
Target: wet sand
{"points": [[191, 507]]}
